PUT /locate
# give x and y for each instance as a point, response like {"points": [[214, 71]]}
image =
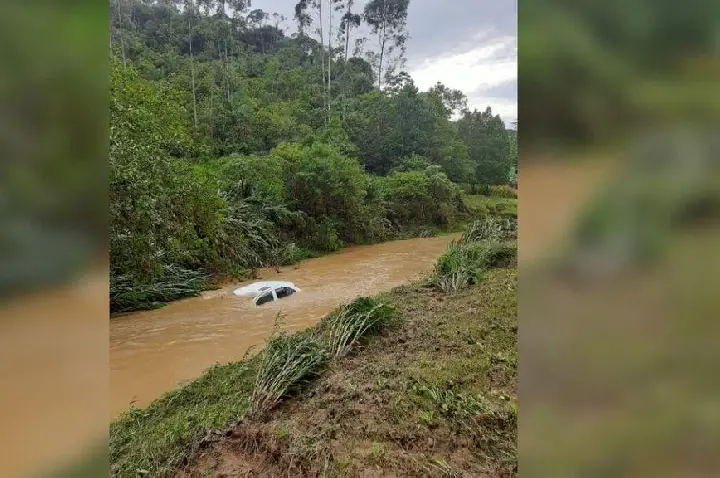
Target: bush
{"points": [[286, 362], [412, 163], [128, 294], [323, 237], [502, 191], [491, 228], [420, 197], [325, 184], [482, 189], [251, 176], [167, 216], [465, 261], [360, 318]]}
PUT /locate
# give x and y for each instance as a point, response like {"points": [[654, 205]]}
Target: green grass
{"points": [[498, 206], [493, 228], [434, 395], [362, 317], [155, 440], [176, 282]]}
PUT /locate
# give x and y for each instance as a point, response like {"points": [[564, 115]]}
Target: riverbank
{"points": [[434, 393], [155, 351], [179, 283], [433, 396], [194, 283]]}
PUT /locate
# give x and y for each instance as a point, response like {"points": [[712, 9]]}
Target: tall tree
{"points": [[348, 21], [454, 101], [189, 9], [323, 10], [119, 25], [488, 145], [388, 21]]}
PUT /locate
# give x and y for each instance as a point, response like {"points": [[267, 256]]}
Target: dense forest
{"points": [[236, 143]]}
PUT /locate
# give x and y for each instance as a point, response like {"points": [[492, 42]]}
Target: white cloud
{"points": [[472, 71]]}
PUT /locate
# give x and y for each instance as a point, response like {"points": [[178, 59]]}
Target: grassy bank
{"points": [[416, 380], [493, 205], [434, 396]]}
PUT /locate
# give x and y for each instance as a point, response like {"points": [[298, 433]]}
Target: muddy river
{"points": [[152, 352]]}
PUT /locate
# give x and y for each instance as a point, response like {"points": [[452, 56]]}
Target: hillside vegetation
{"points": [[235, 144]]}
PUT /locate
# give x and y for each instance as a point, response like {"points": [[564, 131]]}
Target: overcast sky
{"points": [[470, 45]]}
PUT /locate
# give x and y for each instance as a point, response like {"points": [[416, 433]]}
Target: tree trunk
{"points": [[382, 53], [121, 23], [347, 38], [192, 75], [122, 50], [227, 72], [329, 100], [212, 108], [322, 54], [383, 39]]}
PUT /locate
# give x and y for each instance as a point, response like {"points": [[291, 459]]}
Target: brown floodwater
{"points": [[154, 351]]}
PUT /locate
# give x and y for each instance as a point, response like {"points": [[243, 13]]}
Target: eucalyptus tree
{"points": [[348, 21], [189, 8], [323, 10], [388, 22]]}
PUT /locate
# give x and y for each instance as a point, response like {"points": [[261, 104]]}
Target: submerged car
{"points": [[267, 291]]}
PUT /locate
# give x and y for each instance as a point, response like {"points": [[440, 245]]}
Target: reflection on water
{"points": [[151, 352]]}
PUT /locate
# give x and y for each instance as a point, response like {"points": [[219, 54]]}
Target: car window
{"points": [[264, 298], [284, 292]]}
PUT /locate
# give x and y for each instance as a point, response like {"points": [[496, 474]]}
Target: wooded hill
{"points": [[235, 143]]}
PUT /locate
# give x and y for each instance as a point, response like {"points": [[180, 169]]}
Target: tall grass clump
{"points": [[482, 246], [362, 317], [286, 362], [502, 191], [460, 266], [176, 282], [493, 228]]}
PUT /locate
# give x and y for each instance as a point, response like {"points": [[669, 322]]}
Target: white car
{"points": [[266, 291]]}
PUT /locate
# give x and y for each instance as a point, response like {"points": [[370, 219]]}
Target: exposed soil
{"points": [[433, 396]]}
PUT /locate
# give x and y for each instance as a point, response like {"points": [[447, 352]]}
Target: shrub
{"points": [[412, 163], [491, 228], [464, 262], [420, 197], [325, 184], [502, 191], [483, 189], [127, 293], [251, 176], [360, 318], [286, 362]]}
